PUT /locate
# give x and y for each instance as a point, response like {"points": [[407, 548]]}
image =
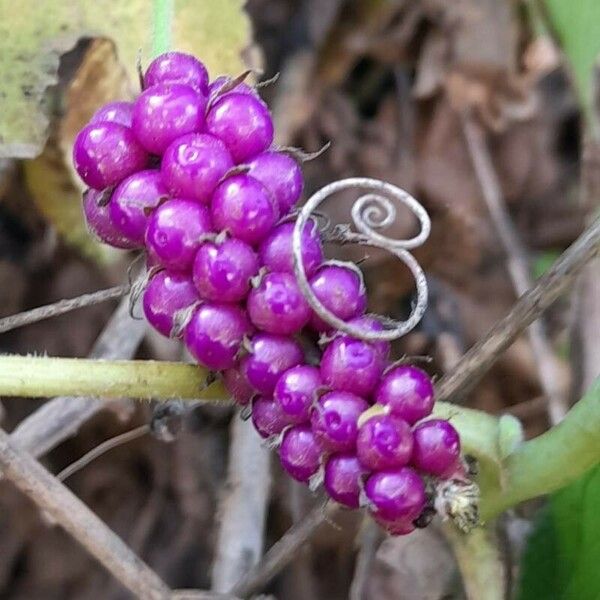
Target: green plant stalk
{"points": [[509, 473], [163, 26]]}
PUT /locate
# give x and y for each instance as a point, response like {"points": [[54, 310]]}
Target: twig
{"points": [[517, 265], [78, 520], [62, 417], [283, 551], [101, 449], [557, 280], [370, 540], [61, 307], [243, 510]]}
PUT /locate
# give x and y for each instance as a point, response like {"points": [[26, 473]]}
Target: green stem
{"points": [[511, 470], [40, 377], [163, 26]]}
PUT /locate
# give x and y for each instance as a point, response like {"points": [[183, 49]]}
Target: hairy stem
{"points": [[39, 377]]}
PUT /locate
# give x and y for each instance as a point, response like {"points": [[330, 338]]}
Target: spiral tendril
{"points": [[372, 211]]}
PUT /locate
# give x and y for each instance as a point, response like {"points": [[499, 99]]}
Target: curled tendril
{"points": [[373, 210]]}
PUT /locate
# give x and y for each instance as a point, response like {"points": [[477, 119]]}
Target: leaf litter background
{"points": [[386, 82]]}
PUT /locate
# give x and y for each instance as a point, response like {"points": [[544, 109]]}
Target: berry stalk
{"points": [[163, 21]]}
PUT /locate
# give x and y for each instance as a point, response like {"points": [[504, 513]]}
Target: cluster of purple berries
{"points": [[188, 171]]}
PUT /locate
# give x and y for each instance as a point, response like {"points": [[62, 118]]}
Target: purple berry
{"points": [[215, 333], [114, 112], [299, 453], [175, 232], [342, 480], [243, 122], [166, 294], [396, 494], [351, 365], [99, 223], [368, 324], [341, 290], [436, 448], [177, 67], [242, 206], [217, 84], [296, 392], [267, 417], [276, 305], [105, 153], [335, 420], [407, 391], [398, 527], [131, 202], [276, 250], [165, 112], [222, 271], [384, 442], [193, 165], [271, 355], [281, 175], [237, 385]]}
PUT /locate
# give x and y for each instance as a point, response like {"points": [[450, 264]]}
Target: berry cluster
{"points": [[188, 171]]}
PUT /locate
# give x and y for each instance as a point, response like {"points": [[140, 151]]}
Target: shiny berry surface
{"points": [[165, 295], [133, 201], [407, 391], [437, 447], [243, 207], [276, 305], [384, 442], [165, 112], [244, 124], [193, 165], [215, 333], [335, 420], [296, 391], [342, 479], [177, 67], [222, 270], [114, 112], [100, 224], [267, 417], [299, 453], [106, 153]]}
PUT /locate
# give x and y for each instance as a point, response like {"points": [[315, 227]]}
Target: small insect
{"points": [[458, 500]]}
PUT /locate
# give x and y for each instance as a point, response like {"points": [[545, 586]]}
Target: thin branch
{"points": [[61, 307], [370, 540], [517, 265], [242, 513], [78, 520], [283, 551], [103, 448], [62, 417], [557, 280]]}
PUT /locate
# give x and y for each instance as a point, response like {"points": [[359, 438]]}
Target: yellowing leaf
{"points": [[34, 35]]}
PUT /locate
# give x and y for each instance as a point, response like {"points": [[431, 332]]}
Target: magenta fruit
{"points": [[114, 112], [244, 124], [276, 250], [407, 391], [267, 417], [165, 112], [384, 442], [270, 356], [296, 392], [276, 305], [222, 270], [106, 153], [214, 335], [299, 453], [237, 385], [334, 420], [342, 479], [436, 448], [133, 201], [281, 175], [193, 165], [242, 206], [165, 295], [177, 67], [175, 232]]}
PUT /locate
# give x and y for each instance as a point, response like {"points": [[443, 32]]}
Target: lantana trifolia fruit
{"points": [[189, 172]]}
